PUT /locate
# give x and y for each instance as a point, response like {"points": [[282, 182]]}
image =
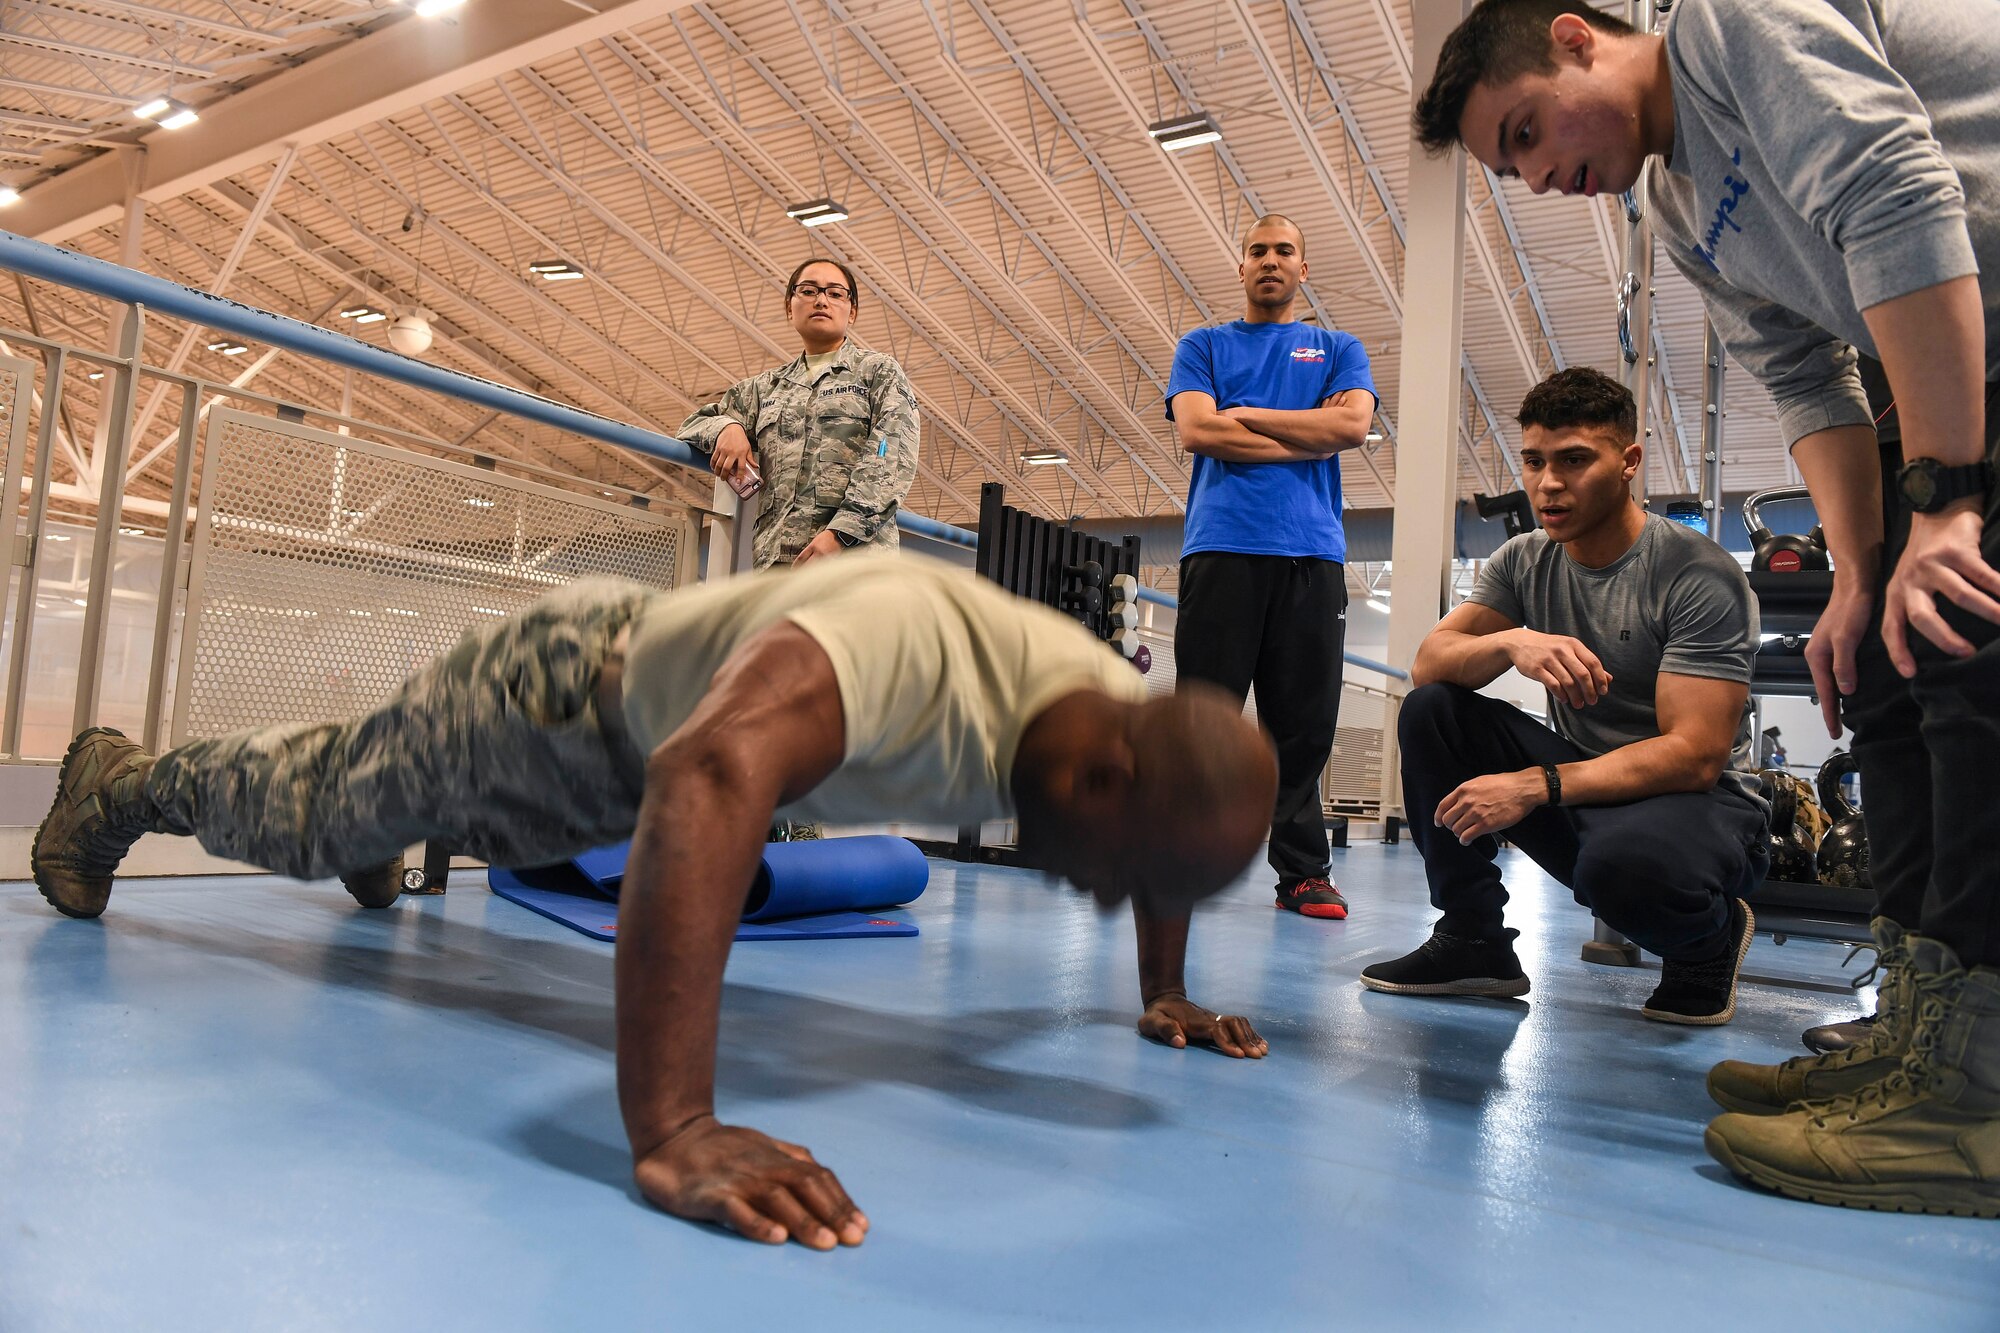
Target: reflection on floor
{"points": [[244, 1104]]}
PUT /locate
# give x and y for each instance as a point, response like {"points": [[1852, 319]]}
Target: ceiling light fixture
{"points": [[1179, 132], [169, 113], [430, 9], [1044, 457], [816, 213], [411, 333], [228, 348], [363, 314], [1374, 437], [556, 270], [9, 195]]}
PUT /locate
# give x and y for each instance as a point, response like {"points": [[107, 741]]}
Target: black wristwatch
{"points": [[1553, 780], [1928, 485]]}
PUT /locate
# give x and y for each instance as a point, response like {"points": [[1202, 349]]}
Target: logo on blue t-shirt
{"points": [[1308, 354]]}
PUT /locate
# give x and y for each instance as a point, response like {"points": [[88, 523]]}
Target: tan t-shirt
{"points": [[940, 671]]}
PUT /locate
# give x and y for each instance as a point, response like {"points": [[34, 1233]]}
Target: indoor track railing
{"points": [[121, 609]]}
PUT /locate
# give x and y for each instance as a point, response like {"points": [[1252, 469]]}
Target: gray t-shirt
{"points": [[1829, 155], [1675, 603]]}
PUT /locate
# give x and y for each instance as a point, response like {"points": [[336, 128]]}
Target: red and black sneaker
{"points": [[1313, 897]]}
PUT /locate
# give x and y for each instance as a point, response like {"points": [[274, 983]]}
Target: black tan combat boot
{"points": [[1924, 1140], [1769, 1089], [101, 809], [377, 886]]}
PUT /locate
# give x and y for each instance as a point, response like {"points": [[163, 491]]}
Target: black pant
{"points": [[1278, 623], [1658, 870], [1929, 752]]}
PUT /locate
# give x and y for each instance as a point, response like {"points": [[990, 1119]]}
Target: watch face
{"points": [[1919, 486]]}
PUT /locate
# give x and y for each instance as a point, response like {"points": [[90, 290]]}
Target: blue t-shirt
{"points": [[1290, 509]]}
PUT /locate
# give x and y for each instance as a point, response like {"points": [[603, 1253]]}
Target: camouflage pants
{"points": [[495, 748]]}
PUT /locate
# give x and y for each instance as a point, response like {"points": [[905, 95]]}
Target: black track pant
{"points": [[1929, 751], [1657, 870], [1278, 623]]}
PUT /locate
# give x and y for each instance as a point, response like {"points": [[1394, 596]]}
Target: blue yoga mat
{"points": [[804, 890]]}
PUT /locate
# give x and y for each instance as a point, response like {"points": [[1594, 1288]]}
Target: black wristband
{"points": [[1555, 783]]}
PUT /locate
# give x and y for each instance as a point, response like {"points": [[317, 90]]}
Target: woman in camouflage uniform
{"points": [[833, 431]]}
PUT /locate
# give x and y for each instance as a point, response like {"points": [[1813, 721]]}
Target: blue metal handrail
{"points": [[115, 282], [52, 263]]}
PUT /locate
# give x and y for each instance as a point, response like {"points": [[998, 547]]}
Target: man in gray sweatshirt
{"points": [[1827, 174]]}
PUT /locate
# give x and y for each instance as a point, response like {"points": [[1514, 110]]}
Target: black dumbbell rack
{"points": [[1037, 559], [1048, 563]]}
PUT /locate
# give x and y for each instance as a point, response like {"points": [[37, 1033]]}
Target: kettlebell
{"points": [[1783, 553], [1795, 827], [1843, 851], [1791, 853]]}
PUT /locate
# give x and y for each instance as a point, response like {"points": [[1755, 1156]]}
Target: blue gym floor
{"points": [[244, 1104]]}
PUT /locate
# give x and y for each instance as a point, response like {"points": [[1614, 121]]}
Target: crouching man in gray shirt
{"points": [[1642, 800]]}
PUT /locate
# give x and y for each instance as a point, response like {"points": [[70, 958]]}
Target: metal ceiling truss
{"points": [[1234, 202], [469, 176], [1090, 327], [962, 423], [1304, 77], [182, 53], [1495, 201], [768, 273], [909, 288], [1249, 205], [1055, 154], [940, 158], [318, 254], [322, 383]]}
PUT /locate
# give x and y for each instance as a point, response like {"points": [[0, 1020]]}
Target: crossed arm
{"points": [[1271, 435], [1698, 718]]}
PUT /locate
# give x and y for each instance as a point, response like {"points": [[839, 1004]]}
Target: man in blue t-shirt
{"points": [[1265, 405]]}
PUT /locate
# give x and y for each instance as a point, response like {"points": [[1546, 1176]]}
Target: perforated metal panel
{"points": [[1352, 783], [326, 569]]}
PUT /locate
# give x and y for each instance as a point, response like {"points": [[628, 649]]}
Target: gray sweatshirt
{"points": [[1829, 155]]}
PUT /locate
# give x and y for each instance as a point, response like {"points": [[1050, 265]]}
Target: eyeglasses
{"points": [[812, 291]]}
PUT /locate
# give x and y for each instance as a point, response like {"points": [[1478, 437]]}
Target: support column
{"points": [[1635, 291], [1428, 392], [1635, 371], [730, 532], [120, 408], [1711, 428], [131, 254]]}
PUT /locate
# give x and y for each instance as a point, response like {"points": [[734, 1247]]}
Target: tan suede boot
{"points": [[1768, 1089], [1926, 1139]]}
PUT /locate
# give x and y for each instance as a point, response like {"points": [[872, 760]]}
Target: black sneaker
{"points": [[1834, 1037], [1452, 965], [1704, 994], [1316, 896]]}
